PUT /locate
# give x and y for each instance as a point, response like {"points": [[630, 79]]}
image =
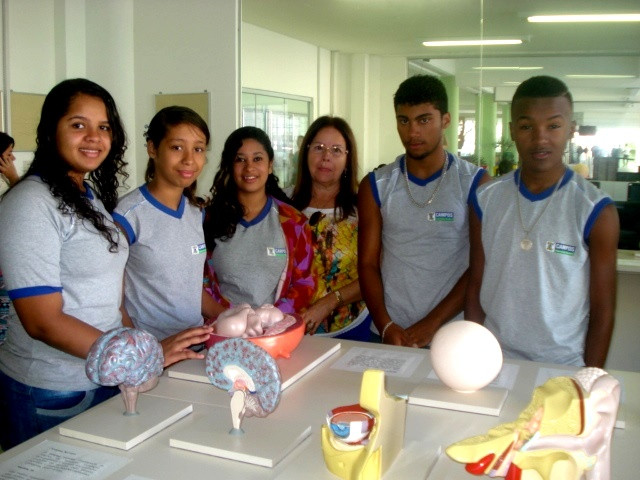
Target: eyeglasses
{"points": [[335, 150]]}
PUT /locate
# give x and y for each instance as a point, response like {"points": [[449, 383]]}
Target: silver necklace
{"points": [[526, 243], [433, 195]]}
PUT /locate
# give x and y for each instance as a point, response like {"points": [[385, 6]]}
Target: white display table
{"points": [[308, 401]]}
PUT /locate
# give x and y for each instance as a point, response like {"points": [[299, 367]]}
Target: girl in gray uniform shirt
{"points": [[163, 223], [258, 247], [62, 258]]}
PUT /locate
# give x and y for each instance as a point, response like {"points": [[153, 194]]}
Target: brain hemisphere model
{"points": [[127, 357]]}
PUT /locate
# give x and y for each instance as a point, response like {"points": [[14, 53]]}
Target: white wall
{"points": [[362, 92], [135, 49], [393, 71], [110, 62], [357, 87], [70, 27], [29, 55], [186, 47], [31, 51], [273, 62], [138, 48]]}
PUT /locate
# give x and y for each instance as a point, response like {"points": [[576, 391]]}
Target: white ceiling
{"points": [[397, 28]]}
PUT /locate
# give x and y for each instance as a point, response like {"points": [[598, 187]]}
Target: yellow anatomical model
{"points": [[563, 434]]}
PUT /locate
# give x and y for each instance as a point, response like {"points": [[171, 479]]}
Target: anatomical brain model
{"points": [[129, 358], [249, 374], [563, 434]]}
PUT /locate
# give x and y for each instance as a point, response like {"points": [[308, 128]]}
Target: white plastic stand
{"points": [[487, 401], [106, 424]]}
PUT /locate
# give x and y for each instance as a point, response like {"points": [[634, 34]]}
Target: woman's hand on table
{"points": [[317, 313], [176, 347]]}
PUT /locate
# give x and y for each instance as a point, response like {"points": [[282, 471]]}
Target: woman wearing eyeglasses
{"points": [[258, 247], [325, 191]]}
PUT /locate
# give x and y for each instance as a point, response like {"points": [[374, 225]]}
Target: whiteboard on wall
{"points": [[25, 115], [198, 102]]}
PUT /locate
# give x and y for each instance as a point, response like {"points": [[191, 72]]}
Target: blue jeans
{"points": [[26, 411]]}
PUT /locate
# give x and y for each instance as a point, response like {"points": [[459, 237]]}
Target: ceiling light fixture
{"points": [[467, 43], [600, 76], [625, 17], [508, 68]]}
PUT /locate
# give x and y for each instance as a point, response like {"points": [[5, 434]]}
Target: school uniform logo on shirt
{"points": [[276, 251], [440, 216], [561, 248], [197, 249]]}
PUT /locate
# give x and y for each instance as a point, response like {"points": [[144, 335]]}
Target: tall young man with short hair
{"points": [[544, 243], [413, 240]]}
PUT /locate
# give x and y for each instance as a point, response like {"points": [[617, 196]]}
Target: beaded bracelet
{"points": [[384, 330]]}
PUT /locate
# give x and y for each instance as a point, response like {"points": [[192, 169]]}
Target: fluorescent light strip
{"points": [[467, 43], [507, 68], [626, 17], [600, 76]]}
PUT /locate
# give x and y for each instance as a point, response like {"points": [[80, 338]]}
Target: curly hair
{"points": [[53, 169], [347, 195], [158, 128], [225, 210]]}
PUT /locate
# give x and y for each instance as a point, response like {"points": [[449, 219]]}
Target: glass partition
{"points": [[285, 118]]}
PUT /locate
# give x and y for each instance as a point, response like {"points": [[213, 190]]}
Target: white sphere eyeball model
{"points": [[465, 356]]}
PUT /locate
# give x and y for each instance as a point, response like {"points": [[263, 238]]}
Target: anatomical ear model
{"points": [[249, 374], [563, 434], [129, 358]]}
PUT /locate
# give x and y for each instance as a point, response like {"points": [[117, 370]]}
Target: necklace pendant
{"points": [[526, 244]]}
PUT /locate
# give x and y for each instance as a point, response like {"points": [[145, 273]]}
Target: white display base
{"points": [[310, 353], [487, 401], [106, 424], [414, 462], [265, 441]]}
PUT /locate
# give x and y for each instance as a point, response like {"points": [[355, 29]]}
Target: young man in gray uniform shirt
{"points": [[413, 240], [544, 243]]}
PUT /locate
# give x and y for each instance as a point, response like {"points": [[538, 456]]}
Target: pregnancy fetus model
{"points": [[244, 321]]}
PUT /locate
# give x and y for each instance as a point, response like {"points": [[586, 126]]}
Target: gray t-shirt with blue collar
{"points": [[163, 278], [425, 250], [44, 251], [251, 264]]}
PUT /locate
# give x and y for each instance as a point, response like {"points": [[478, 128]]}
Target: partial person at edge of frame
{"points": [[10, 174], [7, 159]]}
